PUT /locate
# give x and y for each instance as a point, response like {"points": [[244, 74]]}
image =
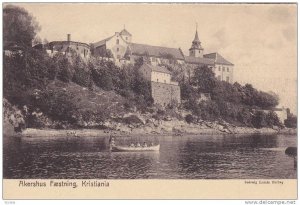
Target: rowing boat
{"points": [[116, 148]]}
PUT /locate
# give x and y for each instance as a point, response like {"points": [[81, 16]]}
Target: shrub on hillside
{"points": [[58, 105], [82, 75], [291, 121], [189, 118], [259, 119], [245, 117], [273, 120]]}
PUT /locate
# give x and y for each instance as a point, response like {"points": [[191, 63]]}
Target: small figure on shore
{"points": [[145, 144], [131, 145], [138, 144]]}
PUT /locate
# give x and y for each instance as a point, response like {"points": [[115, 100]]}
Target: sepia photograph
{"points": [[96, 94]]}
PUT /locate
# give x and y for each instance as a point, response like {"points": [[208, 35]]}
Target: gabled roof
{"points": [[156, 51], [125, 32], [160, 69], [198, 60], [218, 58], [102, 42]]}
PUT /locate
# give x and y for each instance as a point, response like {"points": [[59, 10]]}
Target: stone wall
{"points": [[164, 94]]}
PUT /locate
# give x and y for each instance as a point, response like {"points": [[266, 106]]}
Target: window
{"points": [[227, 79], [118, 56], [157, 79], [199, 51], [117, 49], [227, 69], [223, 69], [118, 41], [165, 81], [219, 68]]}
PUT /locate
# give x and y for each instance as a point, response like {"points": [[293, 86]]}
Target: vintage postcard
{"points": [[149, 101]]}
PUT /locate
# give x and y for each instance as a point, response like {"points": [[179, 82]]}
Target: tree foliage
{"points": [[19, 27], [204, 79], [232, 102], [24, 72], [291, 121]]}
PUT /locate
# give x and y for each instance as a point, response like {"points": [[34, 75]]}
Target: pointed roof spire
{"points": [[196, 39], [196, 44]]}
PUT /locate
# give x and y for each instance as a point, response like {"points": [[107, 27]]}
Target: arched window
{"points": [[118, 41]]}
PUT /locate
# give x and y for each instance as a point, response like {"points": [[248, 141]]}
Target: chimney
{"points": [[69, 37]]}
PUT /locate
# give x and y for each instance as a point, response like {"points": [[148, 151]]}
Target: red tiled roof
{"points": [[198, 60], [160, 69], [156, 51], [218, 58]]}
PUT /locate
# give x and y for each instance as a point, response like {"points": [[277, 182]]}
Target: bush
{"points": [[58, 105], [291, 121], [81, 73], [273, 120], [259, 119], [189, 118], [245, 117]]}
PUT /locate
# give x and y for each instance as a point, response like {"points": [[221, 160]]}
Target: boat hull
{"points": [[135, 149]]}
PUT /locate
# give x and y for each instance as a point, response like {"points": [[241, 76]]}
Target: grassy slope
{"points": [[97, 99]]}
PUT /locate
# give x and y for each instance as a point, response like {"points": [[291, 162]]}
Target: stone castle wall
{"points": [[164, 94]]}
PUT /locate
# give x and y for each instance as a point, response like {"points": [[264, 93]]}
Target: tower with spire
{"points": [[196, 50]]}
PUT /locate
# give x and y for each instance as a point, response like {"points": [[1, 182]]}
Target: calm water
{"points": [[196, 157]]}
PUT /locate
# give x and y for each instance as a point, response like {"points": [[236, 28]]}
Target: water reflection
{"points": [[189, 157]]}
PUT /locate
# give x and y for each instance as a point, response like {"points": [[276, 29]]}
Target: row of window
{"points": [[219, 78], [223, 68]]}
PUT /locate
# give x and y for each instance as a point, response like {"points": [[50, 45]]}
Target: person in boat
{"points": [[112, 142], [145, 144], [138, 144]]}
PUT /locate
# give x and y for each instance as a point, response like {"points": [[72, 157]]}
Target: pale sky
{"points": [[260, 39]]}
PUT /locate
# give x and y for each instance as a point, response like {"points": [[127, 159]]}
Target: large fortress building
{"points": [[120, 48]]}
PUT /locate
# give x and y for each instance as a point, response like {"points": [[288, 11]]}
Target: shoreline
{"points": [[46, 133]]}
